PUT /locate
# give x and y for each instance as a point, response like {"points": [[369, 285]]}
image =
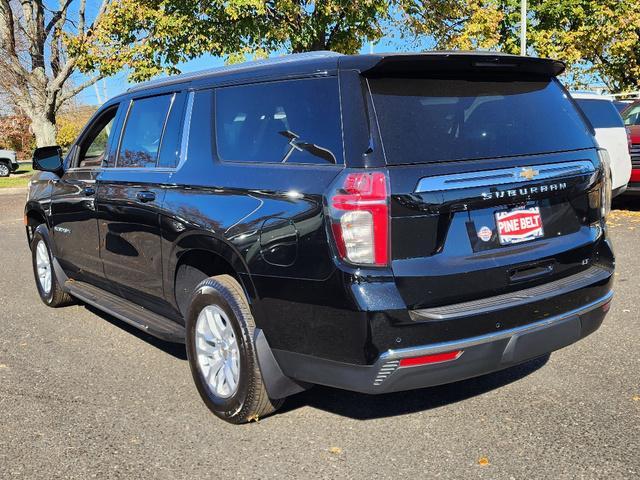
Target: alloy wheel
{"points": [[43, 266], [217, 351]]}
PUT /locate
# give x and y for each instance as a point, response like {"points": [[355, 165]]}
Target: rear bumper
{"points": [[480, 355]]}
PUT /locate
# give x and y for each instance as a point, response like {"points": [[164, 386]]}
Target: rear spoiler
{"points": [[394, 64]]}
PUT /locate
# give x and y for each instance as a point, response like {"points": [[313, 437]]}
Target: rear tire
{"points": [[49, 289], [222, 354]]}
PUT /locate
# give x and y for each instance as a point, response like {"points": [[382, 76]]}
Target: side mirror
{"points": [[48, 159]]}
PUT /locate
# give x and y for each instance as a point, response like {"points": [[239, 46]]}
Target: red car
{"points": [[631, 116]]}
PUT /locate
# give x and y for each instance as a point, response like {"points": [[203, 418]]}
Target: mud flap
{"points": [[277, 383]]}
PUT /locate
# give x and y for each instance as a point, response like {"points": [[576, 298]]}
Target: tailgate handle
{"points": [[530, 272]]}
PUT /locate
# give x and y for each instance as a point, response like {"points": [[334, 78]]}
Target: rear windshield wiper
{"points": [[312, 148]]}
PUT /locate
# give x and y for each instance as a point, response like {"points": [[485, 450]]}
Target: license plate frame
{"points": [[519, 225]]}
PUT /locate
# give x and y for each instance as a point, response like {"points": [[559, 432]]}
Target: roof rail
{"points": [[294, 57]]}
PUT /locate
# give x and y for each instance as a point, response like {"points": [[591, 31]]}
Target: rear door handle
{"points": [[531, 272], [89, 191], [146, 196]]}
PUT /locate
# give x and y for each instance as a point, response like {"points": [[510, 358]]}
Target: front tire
{"points": [[5, 169], [222, 354], [49, 289]]}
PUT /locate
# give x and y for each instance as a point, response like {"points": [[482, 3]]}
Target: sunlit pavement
{"points": [[83, 395]]}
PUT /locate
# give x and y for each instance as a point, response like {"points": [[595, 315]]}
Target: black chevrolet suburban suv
{"points": [[371, 222]]}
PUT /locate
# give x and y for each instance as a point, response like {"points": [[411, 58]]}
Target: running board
{"points": [[127, 311]]}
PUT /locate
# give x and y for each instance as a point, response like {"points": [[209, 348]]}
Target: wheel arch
{"points": [[34, 216], [201, 256]]}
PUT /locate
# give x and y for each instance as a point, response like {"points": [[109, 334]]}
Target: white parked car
{"points": [[611, 134], [8, 162]]}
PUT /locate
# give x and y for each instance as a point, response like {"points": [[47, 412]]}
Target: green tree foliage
{"points": [[596, 37], [460, 25], [152, 36], [599, 39]]}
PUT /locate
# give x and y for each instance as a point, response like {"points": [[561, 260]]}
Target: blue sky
{"points": [[118, 83]]}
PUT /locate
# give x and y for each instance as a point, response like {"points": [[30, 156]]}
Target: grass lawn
{"points": [[19, 178]]}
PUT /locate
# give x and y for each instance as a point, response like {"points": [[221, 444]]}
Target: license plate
{"points": [[515, 226]]}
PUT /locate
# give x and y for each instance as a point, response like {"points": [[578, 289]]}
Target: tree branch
{"points": [[57, 16], [8, 40], [72, 92], [81, 19], [67, 69]]}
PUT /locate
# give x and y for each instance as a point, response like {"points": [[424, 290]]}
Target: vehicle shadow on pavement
{"points": [[176, 350], [360, 406], [366, 407], [625, 202]]}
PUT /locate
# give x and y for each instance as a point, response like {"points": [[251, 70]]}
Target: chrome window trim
{"points": [[489, 178]]}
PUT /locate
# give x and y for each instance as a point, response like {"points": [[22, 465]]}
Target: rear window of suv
{"points": [[601, 113], [425, 120]]}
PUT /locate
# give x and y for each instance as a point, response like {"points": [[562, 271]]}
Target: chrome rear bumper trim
{"points": [[490, 337]]}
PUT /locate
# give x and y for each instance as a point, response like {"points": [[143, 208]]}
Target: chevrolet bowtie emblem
{"points": [[529, 173]]}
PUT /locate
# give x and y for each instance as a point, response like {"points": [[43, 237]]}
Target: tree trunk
{"points": [[44, 129]]}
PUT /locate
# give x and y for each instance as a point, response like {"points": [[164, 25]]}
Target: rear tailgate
{"points": [[494, 184]]}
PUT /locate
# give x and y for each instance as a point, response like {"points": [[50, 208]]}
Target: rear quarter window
{"points": [[292, 121], [453, 118], [601, 113]]}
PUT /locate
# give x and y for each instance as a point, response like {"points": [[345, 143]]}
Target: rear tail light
{"points": [[605, 202], [359, 210]]}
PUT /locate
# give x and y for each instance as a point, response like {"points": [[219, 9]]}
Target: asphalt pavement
{"points": [[83, 395]]}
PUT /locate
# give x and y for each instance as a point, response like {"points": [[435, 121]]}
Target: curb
{"points": [[13, 191]]}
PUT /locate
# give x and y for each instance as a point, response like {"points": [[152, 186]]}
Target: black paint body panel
{"points": [[268, 222]]}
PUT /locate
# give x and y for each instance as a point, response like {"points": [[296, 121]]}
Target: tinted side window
{"points": [[601, 113], [171, 140], [632, 116], [294, 121], [143, 132]]}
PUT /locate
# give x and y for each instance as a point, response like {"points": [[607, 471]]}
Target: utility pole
{"points": [[95, 86], [523, 27]]}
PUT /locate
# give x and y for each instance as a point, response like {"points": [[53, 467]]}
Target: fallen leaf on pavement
{"points": [[483, 461]]}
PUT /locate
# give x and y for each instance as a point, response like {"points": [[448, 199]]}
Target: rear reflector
{"points": [[429, 359]]}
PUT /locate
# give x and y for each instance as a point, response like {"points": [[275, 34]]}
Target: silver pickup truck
{"points": [[8, 162]]}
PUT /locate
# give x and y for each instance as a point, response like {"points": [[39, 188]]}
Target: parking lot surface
{"points": [[82, 395]]}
